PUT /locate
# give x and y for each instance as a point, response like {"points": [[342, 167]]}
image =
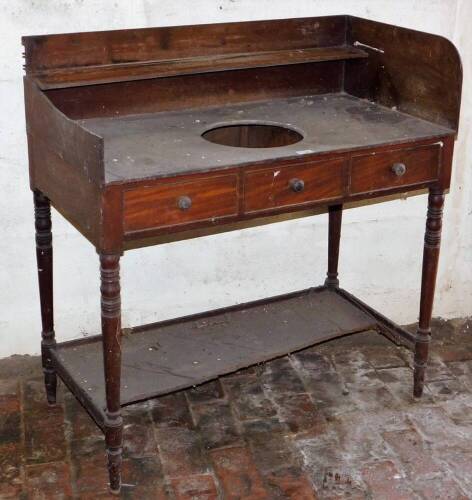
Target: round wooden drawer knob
{"points": [[184, 203], [297, 185], [399, 169]]}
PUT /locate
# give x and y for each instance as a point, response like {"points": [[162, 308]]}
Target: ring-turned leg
{"points": [[335, 220], [111, 336], [432, 242], [42, 222]]}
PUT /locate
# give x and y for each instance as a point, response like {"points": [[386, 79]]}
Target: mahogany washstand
{"points": [[144, 136]]}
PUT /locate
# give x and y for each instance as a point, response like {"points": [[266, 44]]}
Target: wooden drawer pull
{"points": [[184, 202], [399, 169], [297, 185]]}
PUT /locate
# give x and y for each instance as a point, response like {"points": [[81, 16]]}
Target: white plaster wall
{"points": [[381, 245]]}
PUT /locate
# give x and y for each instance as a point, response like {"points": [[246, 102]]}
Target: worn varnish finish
{"points": [[111, 338], [42, 217], [143, 136], [432, 241], [334, 237]]}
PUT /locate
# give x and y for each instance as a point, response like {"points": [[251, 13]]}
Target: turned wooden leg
{"points": [[111, 336], [432, 243], [335, 219], [42, 222]]}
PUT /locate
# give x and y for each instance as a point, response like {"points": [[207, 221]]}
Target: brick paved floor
{"points": [[334, 421]]}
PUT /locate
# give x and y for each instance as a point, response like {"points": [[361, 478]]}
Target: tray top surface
{"points": [[171, 143]]}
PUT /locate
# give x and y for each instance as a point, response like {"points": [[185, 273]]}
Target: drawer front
{"points": [[294, 185], [393, 169], [170, 204]]}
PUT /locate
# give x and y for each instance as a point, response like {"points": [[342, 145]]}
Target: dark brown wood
{"points": [[334, 236], [111, 337], [143, 136], [42, 221], [200, 90], [418, 73], [270, 187], [77, 146], [210, 198], [432, 243], [53, 53], [376, 172], [87, 75]]}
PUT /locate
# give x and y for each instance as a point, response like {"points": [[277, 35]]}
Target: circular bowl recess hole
{"points": [[252, 135]]}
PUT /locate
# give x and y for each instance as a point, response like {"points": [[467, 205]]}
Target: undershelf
{"points": [[173, 355], [87, 75]]}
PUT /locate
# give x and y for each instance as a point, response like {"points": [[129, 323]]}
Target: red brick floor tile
{"points": [[312, 363], [455, 352], [256, 433], [459, 409], [439, 489], [462, 370], [359, 436], [248, 398], [446, 389], [322, 454], [399, 382], [380, 357], [201, 487], [9, 387], [368, 392], [171, 411], [439, 429], [34, 396], [329, 393], [216, 425], [10, 419], [45, 435], [270, 445], [99, 495], [289, 483], [138, 440], [206, 393], [300, 414], [280, 376], [11, 481], [48, 481], [351, 362], [342, 483], [181, 452], [273, 454], [460, 465], [259, 429], [437, 369], [414, 453], [238, 474], [143, 478], [79, 424], [386, 482], [9, 403], [88, 460], [443, 332]]}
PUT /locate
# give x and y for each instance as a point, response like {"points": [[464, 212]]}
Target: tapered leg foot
{"points": [[111, 336], [113, 436], [420, 362], [42, 220], [418, 383], [432, 243]]}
